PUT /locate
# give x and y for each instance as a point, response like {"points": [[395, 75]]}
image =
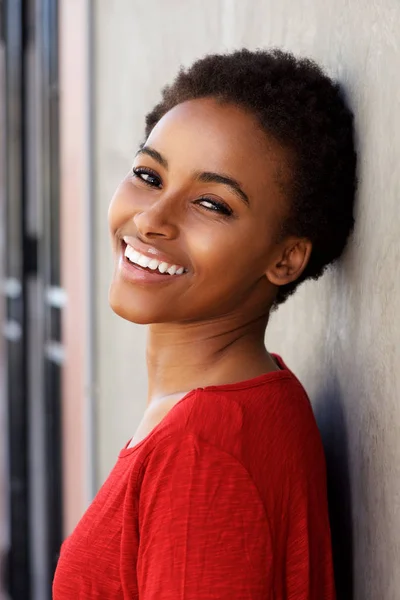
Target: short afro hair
{"points": [[299, 106]]}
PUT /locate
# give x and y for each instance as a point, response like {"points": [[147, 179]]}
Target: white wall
{"points": [[341, 335]]}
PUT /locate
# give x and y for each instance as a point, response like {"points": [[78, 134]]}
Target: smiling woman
{"points": [[242, 189], [187, 206]]}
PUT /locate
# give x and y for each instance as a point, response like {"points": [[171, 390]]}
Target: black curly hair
{"points": [[304, 110]]}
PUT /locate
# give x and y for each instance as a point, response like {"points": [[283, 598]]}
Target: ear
{"points": [[291, 261]]}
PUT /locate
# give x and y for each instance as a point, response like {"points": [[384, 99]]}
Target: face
{"points": [[194, 225]]}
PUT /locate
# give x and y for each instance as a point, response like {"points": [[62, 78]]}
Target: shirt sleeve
{"points": [[202, 526], [308, 566]]}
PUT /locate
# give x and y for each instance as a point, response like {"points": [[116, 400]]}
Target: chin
{"points": [[134, 310]]}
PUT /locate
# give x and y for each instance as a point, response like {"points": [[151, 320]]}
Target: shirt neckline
{"points": [[283, 373]]}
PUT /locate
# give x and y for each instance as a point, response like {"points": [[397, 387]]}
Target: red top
{"points": [[225, 499]]}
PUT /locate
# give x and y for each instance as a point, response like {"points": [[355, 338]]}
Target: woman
{"points": [[243, 189]]}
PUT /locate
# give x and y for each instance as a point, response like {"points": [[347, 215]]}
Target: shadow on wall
{"points": [[328, 409]]}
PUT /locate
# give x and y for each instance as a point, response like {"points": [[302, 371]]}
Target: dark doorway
{"points": [[32, 296]]}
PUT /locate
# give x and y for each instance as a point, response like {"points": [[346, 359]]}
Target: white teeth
{"points": [[153, 264], [163, 267], [144, 261]]}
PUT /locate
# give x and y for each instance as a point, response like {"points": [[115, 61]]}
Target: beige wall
{"points": [[341, 335], [76, 267]]}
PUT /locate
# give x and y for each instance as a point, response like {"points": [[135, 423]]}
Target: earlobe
{"points": [[290, 263]]}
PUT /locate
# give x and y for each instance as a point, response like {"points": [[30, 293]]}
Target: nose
{"points": [[156, 220]]}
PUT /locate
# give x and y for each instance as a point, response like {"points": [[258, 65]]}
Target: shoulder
{"points": [[265, 424], [190, 467], [270, 413]]}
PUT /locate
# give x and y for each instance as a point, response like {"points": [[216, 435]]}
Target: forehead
{"points": [[206, 135]]}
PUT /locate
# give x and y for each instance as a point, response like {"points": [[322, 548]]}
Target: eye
{"points": [[215, 206], [148, 176]]}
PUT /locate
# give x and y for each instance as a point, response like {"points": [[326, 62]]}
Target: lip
{"points": [[150, 251], [136, 274]]}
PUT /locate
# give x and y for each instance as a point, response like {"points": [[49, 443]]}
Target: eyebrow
{"points": [[154, 154], [204, 177], [210, 177]]}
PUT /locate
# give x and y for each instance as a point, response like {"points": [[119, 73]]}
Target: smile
{"points": [[153, 264]]}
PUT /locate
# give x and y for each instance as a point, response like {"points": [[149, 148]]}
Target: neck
{"points": [[182, 357]]}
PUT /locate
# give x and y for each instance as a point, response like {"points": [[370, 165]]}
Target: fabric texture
{"points": [[225, 499]]}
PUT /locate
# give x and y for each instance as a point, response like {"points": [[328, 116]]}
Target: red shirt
{"points": [[224, 499]]}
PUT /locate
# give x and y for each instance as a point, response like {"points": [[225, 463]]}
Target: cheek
{"points": [[228, 254], [122, 207], [117, 207]]}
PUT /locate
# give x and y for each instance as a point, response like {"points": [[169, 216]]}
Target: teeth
{"points": [[129, 253], [163, 267], [143, 261], [152, 263]]}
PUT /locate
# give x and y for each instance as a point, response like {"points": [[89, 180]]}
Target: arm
{"points": [[203, 529]]}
